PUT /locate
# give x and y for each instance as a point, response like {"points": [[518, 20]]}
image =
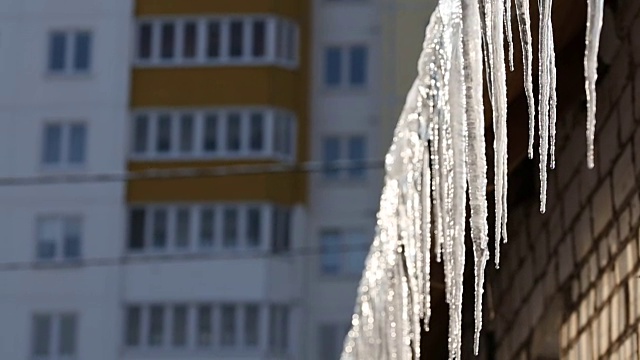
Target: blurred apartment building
{"points": [[192, 265]]}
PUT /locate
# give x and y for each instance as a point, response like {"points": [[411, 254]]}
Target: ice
{"points": [[524, 24], [437, 158], [595, 10]]}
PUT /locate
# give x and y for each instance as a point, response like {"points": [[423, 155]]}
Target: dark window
{"points": [[259, 40], [280, 236], [167, 37], [291, 42], [256, 132], [136, 229], [228, 328], [133, 322], [160, 228], [42, 329], [145, 39], [205, 326], [331, 154], [52, 148], [357, 154], [156, 326], [211, 133], [163, 139], [233, 132], [330, 252], [186, 133], [230, 227], [183, 227], [237, 41], [67, 340], [180, 325], [57, 51], [213, 40], [207, 223], [77, 143], [333, 66], [358, 65], [82, 58], [72, 234], [190, 40], [254, 225], [141, 134], [251, 325]]}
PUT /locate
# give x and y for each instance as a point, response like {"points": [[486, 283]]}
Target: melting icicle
{"points": [[546, 88], [437, 157], [595, 9], [507, 26], [524, 24], [476, 158]]}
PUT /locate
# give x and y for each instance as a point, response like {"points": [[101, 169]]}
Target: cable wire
{"points": [[193, 172], [145, 258]]}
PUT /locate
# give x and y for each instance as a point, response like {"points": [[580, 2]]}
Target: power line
{"points": [[142, 258], [193, 172]]}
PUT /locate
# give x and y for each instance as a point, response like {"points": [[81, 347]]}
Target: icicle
{"points": [[524, 24], [499, 101], [553, 102], [436, 157], [507, 25], [476, 158], [595, 9], [546, 88]]}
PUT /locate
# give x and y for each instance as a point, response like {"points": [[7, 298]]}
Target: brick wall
{"points": [[569, 284]]}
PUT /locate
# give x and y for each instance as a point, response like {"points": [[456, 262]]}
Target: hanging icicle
{"points": [[437, 159]]}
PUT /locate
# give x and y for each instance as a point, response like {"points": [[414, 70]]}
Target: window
{"points": [[180, 325], [262, 40], [352, 149], [54, 336], [199, 228], [64, 144], [185, 135], [69, 52], [281, 232], [251, 325], [342, 252], [228, 325], [279, 329], [354, 74], [230, 227], [254, 231], [204, 330], [59, 238], [331, 340], [187, 326]]}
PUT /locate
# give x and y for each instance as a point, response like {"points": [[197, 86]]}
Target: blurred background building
{"points": [[193, 264]]}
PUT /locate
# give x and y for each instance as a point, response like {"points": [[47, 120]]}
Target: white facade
{"points": [[344, 204], [30, 96]]}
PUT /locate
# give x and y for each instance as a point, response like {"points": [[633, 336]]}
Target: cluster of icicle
{"points": [[437, 159]]}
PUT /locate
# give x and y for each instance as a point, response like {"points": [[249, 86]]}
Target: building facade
{"points": [[64, 74], [187, 267]]}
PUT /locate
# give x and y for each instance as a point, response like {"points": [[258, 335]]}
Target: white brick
{"points": [[582, 235], [623, 177], [614, 305], [635, 40], [603, 330], [566, 260], [636, 88], [625, 114], [607, 145], [609, 41], [601, 207], [571, 202], [603, 253]]}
